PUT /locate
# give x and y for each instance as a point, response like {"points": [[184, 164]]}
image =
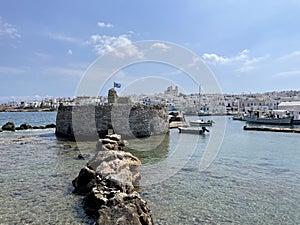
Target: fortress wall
{"points": [[88, 122]]}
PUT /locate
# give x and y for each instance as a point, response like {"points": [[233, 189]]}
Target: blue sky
{"points": [[46, 46]]}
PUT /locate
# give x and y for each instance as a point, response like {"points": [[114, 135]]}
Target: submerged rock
{"points": [[52, 125], [25, 126], [9, 126], [83, 156], [38, 127], [115, 137], [111, 142]]}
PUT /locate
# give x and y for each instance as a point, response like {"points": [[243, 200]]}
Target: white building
{"points": [[292, 107], [171, 92]]}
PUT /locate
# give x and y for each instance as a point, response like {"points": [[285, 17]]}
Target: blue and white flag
{"points": [[117, 85]]}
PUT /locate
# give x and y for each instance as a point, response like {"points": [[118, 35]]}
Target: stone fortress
{"points": [[119, 115]]}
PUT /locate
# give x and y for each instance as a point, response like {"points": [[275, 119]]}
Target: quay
{"points": [[176, 124], [273, 129]]}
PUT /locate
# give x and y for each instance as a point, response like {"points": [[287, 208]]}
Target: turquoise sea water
{"points": [[254, 179]]}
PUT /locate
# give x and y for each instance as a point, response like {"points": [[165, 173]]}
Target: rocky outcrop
{"points": [[110, 182], [52, 125], [25, 126], [38, 127], [115, 207], [9, 126], [111, 142]]}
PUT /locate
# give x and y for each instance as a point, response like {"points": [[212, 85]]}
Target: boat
{"points": [[193, 130], [201, 123], [296, 122], [269, 120], [176, 118], [202, 113], [239, 117], [177, 121], [203, 110]]}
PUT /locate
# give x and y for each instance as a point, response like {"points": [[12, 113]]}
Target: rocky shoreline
{"points": [[110, 184], [11, 109], [10, 126]]}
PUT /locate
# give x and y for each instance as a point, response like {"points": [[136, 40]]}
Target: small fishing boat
{"points": [[268, 120], [201, 123], [193, 130], [239, 117], [177, 120]]}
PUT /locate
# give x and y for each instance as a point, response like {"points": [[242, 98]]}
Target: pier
{"points": [[273, 129]]}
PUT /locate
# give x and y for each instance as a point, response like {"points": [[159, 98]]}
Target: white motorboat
{"points": [[201, 123]]}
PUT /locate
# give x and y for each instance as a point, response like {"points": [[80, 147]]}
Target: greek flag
{"points": [[117, 85]]}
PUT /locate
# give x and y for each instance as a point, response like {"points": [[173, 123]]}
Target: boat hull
{"points": [[296, 122], [192, 130], [272, 121], [201, 123], [240, 118]]}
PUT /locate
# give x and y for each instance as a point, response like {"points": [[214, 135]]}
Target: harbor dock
{"points": [[273, 129]]}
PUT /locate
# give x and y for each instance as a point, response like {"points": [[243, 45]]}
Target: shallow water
{"points": [[35, 182], [255, 178]]}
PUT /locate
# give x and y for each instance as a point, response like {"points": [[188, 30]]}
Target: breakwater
{"points": [[89, 122], [273, 129], [110, 183], [10, 126]]}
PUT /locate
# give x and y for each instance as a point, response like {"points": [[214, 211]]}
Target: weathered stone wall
{"points": [[129, 120]]}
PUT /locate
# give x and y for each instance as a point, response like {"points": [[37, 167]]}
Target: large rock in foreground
{"points": [[115, 207], [110, 182]]}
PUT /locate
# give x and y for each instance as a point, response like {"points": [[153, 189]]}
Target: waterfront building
{"points": [[292, 107]]}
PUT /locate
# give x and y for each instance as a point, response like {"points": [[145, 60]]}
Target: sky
{"points": [[46, 47]]}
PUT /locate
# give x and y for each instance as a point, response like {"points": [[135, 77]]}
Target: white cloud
{"points": [[290, 55], [291, 73], [7, 29], [103, 44], [246, 68], [60, 37], [70, 71], [243, 55], [107, 25], [70, 52], [250, 64], [161, 46], [10, 70], [215, 59], [241, 60], [42, 55]]}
